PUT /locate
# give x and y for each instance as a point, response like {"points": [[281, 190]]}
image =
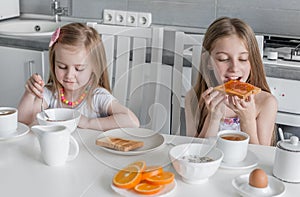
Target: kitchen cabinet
{"points": [[17, 65]]}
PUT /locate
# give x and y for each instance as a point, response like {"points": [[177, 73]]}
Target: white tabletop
{"points": [[23, 173]]}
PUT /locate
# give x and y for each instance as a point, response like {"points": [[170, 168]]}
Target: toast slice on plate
{"points": [[238, 88], [119, 144]]}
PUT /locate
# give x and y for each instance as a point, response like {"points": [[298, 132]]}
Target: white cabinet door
{"points": [[16, 66]]}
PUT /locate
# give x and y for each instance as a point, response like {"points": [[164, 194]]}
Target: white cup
{"points": [[234, 150], [8, 120], [55, 141]]}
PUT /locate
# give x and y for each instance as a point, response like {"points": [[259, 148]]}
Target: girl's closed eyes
{"points": [[79, 67]]}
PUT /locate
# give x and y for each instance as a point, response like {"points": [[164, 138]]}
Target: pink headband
{"points": [[54, 37]]}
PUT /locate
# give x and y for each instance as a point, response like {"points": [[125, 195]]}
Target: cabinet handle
{"points": [[30, 66]]}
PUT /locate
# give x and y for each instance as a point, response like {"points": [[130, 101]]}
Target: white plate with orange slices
{"points": [[152, 140], [138, 180]]}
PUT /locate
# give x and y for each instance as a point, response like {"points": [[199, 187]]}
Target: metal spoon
{"points": [[43, 111]]}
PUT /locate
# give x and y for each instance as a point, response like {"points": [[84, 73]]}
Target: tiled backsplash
{"points": [[268, 16]]}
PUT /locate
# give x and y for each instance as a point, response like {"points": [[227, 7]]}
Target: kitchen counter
{"points": [[278, 68], [39, 43], [282, 69], [32, 43]]}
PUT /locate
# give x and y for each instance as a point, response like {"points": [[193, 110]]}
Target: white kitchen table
{"points": [[23, 173]]}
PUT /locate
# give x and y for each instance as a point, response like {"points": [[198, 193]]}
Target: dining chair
{"points": [[186, 64], [138, 78]]}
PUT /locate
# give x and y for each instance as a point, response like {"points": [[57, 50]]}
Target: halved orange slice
{"points": [[161, 179], [151, 171], [146, 188], [141, 164], [128, 177]]}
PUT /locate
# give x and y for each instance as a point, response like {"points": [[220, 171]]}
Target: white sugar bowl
{"points": [[287, 160]]}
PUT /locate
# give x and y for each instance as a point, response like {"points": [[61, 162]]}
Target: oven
{"points": [[282, 63]]}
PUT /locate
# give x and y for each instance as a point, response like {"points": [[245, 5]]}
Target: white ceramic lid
{"points": [[290, 145]]}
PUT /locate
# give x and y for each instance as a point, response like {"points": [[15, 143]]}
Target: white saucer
{"points": [[166, 191], [275, 187], [249, 162], [20, 131]]}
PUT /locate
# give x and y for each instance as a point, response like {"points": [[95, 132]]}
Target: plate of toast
{"points": [[130, 141]]}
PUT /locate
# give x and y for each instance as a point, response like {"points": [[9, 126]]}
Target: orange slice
{"points": [[161, 179], [151, 171], [128, 177], [140, 164], [147, 189]]}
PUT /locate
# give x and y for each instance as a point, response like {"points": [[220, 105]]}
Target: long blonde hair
{"points": [[223, 27], [80, 35]]}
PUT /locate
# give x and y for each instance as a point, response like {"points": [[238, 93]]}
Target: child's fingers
{"points": [[34, 87], [38, 79]]}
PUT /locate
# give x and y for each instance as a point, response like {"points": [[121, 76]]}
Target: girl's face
{"points": [[230, 59], [73, 67]]}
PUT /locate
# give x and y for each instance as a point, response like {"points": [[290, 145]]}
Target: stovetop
{"points": [[288, 48]]}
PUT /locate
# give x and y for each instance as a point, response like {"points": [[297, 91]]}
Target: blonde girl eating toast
{"points": [[79, 80], [230, 52]]}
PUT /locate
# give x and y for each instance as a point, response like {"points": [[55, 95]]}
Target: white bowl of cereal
{"points": [[60, 116], [193, 167]]}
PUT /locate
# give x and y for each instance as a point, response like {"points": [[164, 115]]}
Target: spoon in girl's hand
{"points": [[43, 111]]}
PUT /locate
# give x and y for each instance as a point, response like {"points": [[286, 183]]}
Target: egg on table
{"points": [[258, 178]]}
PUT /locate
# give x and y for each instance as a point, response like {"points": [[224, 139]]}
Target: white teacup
{"points": [[55, 141], [8, 120], [234, 145]]}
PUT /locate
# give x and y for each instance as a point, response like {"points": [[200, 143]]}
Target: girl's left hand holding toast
{"points": [[34, 85]]}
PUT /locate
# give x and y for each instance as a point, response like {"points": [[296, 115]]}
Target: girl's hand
{"points": [[34, 85], [244, 108], [214, 101]]}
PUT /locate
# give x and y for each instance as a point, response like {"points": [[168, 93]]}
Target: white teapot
{"points": [[287, 160]]}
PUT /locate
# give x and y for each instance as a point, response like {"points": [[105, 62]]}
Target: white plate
{"points": [[20, 131], [152, 140], [249, 162], [275, 187], [166, 191]]}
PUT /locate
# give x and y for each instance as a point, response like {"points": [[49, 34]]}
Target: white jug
{"points": [[55, 143]]}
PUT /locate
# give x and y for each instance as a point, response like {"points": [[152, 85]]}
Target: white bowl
{"points": [[60, 116], [197, 172]]}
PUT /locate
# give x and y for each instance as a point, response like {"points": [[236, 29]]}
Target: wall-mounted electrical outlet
{"points": [[109, 17], [132, 19], [120, 17], [144, 19]]}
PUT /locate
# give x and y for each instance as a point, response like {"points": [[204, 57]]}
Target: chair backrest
{"points": [[138, 78], [186, 62]]}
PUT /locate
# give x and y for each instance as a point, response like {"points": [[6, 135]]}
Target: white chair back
{"points": [[138, 79], [186, 64]]}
